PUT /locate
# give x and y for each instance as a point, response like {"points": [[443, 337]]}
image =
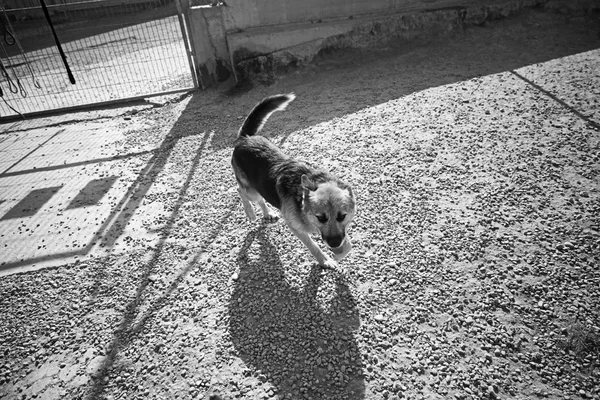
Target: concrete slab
{"points": [[62, 191], [266, 40]]}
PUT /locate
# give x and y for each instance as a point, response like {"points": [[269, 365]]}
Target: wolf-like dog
{"points": [[311, 201]]}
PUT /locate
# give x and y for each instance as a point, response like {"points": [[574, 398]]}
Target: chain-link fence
{"points": [[115, 50]]}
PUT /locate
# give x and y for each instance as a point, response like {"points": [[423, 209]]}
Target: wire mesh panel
{"points": [[116, 50]]}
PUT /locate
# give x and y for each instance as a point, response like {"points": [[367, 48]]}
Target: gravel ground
{"points": [[475, 269]]}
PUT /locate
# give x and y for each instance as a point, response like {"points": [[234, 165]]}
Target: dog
{"points": [[310, 200]]}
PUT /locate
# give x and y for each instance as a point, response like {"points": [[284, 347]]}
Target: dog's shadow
{"points": [[285, 336]]}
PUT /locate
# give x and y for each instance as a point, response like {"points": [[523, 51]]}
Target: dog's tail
{"points": [[262, 111]]}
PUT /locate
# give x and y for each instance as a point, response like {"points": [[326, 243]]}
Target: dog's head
{"points": [[330, 207]]}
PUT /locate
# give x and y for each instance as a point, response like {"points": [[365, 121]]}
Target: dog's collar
{"points": [[303, 202]]}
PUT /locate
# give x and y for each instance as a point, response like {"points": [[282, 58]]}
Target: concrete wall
{"points": [[246, 14], [261, 36]]}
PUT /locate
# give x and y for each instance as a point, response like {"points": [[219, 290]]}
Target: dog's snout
{"points": [[334, 241]]}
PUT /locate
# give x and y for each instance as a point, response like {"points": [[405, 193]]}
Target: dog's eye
{"points": [[341, 217], [322, 218]]}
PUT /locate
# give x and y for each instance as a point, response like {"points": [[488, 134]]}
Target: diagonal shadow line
{"points": [[75, 164], [124, 333], [123, 211], [48, 257], [32, 151], [129, 202], [110, 231], [2, 137], [593, 123], [136, 193]]}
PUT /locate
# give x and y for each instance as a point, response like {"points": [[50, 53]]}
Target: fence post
{"points": [[210, 44], [183, 7]]}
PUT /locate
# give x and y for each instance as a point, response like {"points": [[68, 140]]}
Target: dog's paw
{"points": [[271, 217], [328, 263]]}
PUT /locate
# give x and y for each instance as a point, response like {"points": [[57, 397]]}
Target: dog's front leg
{"points": [[323, 260]]}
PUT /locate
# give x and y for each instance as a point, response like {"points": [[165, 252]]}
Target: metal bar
{"points": [[90, 106], [186, 43], [188, 25], [83, 5], [57, 41]]}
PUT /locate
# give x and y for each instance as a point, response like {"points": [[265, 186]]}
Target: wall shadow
{"points": [[564, 104], [342, 82], [284, 336]]}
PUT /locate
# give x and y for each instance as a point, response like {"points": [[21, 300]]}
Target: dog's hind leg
{"points": [[247, 204], [250, 195], [269, 215]]}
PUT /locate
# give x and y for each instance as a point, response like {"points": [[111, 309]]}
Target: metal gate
{"points": [[116, 49]]}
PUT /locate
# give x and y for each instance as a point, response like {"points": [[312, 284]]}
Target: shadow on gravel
{"points": [[282, 334], [327, 88], [592, 123], [190, 123], [134, 320]]}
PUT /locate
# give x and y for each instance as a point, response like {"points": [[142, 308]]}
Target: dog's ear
{"points": [[350, 191], [307, 183]]}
